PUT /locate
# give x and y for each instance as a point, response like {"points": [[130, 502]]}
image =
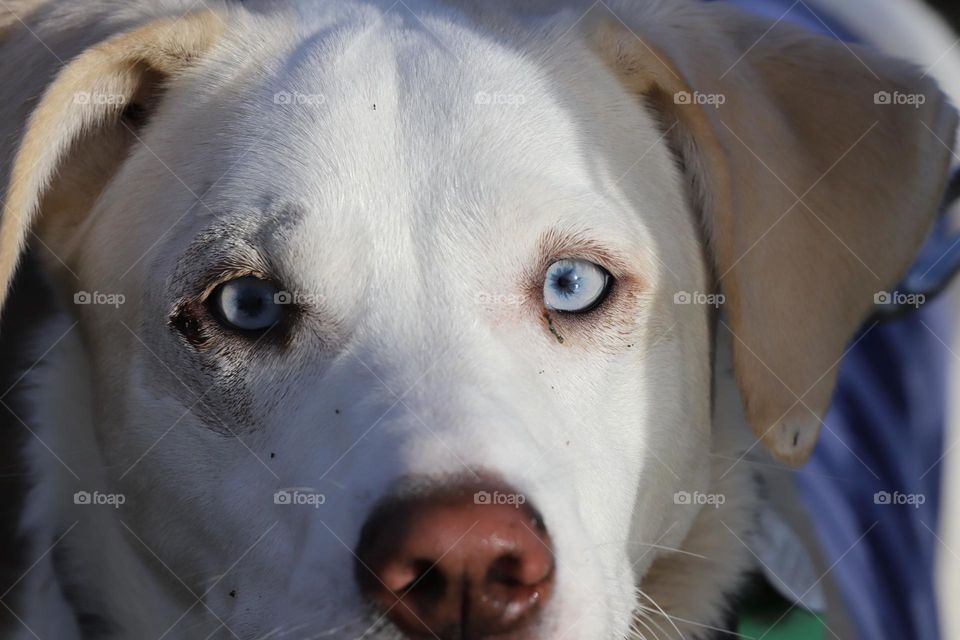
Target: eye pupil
{"points": [[567, 282], [575, 285], [248, 304]]}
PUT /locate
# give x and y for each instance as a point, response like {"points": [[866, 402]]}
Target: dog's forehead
{"points": [[400, 120], [388, 123], [403, 110], [386, 139]]}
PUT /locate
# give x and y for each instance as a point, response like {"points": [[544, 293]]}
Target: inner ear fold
{"points": [[84, 125], [814, 188]]}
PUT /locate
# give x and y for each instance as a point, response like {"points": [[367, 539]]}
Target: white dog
{"points": [[400, 319]]}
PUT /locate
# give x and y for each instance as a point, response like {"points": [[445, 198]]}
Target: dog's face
{"points": [[370, 294], [390, 280]]}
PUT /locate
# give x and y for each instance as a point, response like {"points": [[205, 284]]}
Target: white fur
{"points": [[421, 376], [472, 377]]}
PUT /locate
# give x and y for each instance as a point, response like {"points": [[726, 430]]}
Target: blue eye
{"points": [[575, 286], [248, 304]]}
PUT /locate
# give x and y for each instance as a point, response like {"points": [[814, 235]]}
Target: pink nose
{"points": [[467, 562]]}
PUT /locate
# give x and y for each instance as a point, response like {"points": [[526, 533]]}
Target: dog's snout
{"points": [[462, 562]]}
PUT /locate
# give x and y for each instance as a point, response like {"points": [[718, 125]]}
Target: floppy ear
{"points": [[816, 168], [84, 125]]}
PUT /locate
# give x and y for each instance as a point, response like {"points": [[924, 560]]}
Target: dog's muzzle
{"points": [[464, 561]]}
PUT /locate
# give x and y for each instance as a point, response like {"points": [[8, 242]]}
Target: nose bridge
{"points": [[431, 353], [455, 395], [470, 406]]}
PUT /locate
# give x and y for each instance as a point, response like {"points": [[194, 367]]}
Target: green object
{"points": [[799, 624], [767, 615]]}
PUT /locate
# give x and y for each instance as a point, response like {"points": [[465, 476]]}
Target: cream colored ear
{"points": [[77, 136], [817, 169]]}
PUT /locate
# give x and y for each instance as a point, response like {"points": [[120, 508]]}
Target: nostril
{"points": [[429, 583], [421, 578], [441, 564], [506, 570], [527, 570]]}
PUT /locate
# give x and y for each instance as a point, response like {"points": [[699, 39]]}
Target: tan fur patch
{"points": [[814, 194], [79, 141]]}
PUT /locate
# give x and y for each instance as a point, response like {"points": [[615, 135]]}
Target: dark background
{"points": [[950, 8]]}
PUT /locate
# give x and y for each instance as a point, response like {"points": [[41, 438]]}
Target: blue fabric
{"points": [[883, 433], [798, 13]]}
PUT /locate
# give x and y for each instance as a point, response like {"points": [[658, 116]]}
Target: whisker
{"points": [[696, 624], [636, 631], [641, 620], [659, 608], [652, 545]]}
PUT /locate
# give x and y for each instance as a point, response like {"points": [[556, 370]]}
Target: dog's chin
{"points": [[381, 631], [563, 622], [374, 625]]}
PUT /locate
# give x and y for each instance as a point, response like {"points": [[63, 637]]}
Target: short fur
{"points": [[406, 171]]}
